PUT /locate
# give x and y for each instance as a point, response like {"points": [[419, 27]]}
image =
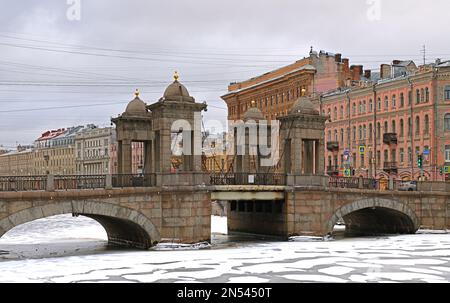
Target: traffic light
{"points": [[419, 161]]}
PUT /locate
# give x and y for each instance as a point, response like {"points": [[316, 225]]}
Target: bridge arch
{"points": [[374, 216], [125, 227]]}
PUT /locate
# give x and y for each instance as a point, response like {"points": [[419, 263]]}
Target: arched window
{"points": [[354, 133], [394, 127], [417, 125], [335, 114], [354, 109], [426, 129], [427, 95], [422, 95], [386, 103], [342, 135], [364, 131], [394, 101], [379, 104], [378, 130], [447, 122], [336, 135], [360, 132], [402, 100], [370, 106], [329, 136], [360, 108], [417, 96], [342, 112], [386, 127], [402, 128]]}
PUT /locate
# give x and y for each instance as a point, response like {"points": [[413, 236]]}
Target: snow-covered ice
{"points": [[67, 249]]}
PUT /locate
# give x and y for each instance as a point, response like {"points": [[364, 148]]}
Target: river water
{"points": [[68, 249]]}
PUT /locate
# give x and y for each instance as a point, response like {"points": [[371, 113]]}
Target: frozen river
{"points": [[66, 249]]}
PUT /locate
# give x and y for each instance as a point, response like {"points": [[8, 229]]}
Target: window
{"points": [[427, 95], [329, 136], [394, 101], [342, 112], [394, 126], [409, 155], [336, 135], [354, 133], [447, 122], [335, 115], [386, 155], [409, 126], [417, 96], [364, 132], [401, 128], [364, 106], [447, 93], [417, 125], [370, 131], [360, 132], [386, 127], [447, 153], [379, 104], [426, 129], [360, 108], [410, 96], [370, 106], [354, 109], [342, 136], [402, 155], [386, 103], [402, 100], [378, 130]]}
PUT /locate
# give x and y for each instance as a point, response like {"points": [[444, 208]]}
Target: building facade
{"points": [[94, 151], [18, 162], [384, 128], [275, 92]]}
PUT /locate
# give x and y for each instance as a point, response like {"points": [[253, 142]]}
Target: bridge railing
{"points": [[133, 180], [343, 182], [23, 183], [248, 179], [67, 182]]}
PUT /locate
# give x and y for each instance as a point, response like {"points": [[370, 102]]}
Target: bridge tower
{"points": [[302, 144], [134, 125]]}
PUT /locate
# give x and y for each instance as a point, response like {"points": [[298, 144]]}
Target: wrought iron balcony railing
{"points": [[333, 146]]}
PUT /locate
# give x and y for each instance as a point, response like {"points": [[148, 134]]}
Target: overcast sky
{"points": [[85, 71]]}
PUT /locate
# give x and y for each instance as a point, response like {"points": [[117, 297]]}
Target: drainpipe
{"points": [[435, 141], [349, 135], [375, 104], [411, 135]]}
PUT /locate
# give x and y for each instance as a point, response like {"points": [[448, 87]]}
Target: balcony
{"points": [[333, 146], [390, 138], [390, 167], [333, 170]]}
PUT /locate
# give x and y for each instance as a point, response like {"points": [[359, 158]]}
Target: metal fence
{"points": [[343, 182], [23, 183], [248, 179], [133, 180], [79, 182]]}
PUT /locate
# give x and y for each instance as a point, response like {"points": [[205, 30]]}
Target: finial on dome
{"points": [[176, 76], [136, 93]]}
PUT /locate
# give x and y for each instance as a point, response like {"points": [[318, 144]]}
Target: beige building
{"points": [[93, 151], [17, 163]]}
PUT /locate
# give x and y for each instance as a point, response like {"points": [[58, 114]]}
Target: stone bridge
{"points": [[132, 217], [140, 217]]}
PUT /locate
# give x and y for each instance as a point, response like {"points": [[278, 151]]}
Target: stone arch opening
{"points": [[124, 227], [376, 217]]}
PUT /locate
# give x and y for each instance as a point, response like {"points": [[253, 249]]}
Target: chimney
{"points": [[357, 71], [385, 71], [367, 73], [396, 62], [338, 57]]}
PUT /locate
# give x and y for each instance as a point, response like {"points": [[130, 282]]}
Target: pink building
{"points": [[381, 128]]}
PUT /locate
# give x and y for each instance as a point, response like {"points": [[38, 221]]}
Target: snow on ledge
{"points": [[310, 239], [180, 246]]}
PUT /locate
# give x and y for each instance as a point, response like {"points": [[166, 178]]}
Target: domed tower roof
{"points": [[303, 105], [253, 113], [136, 107], [177, 91]]}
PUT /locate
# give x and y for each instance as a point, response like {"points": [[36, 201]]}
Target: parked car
{"points": [[407, 186]]}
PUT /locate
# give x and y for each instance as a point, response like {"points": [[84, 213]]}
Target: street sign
{"points": [[426, 152], [346, 152], [362, 149], [347, 172], [446, 169]]}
